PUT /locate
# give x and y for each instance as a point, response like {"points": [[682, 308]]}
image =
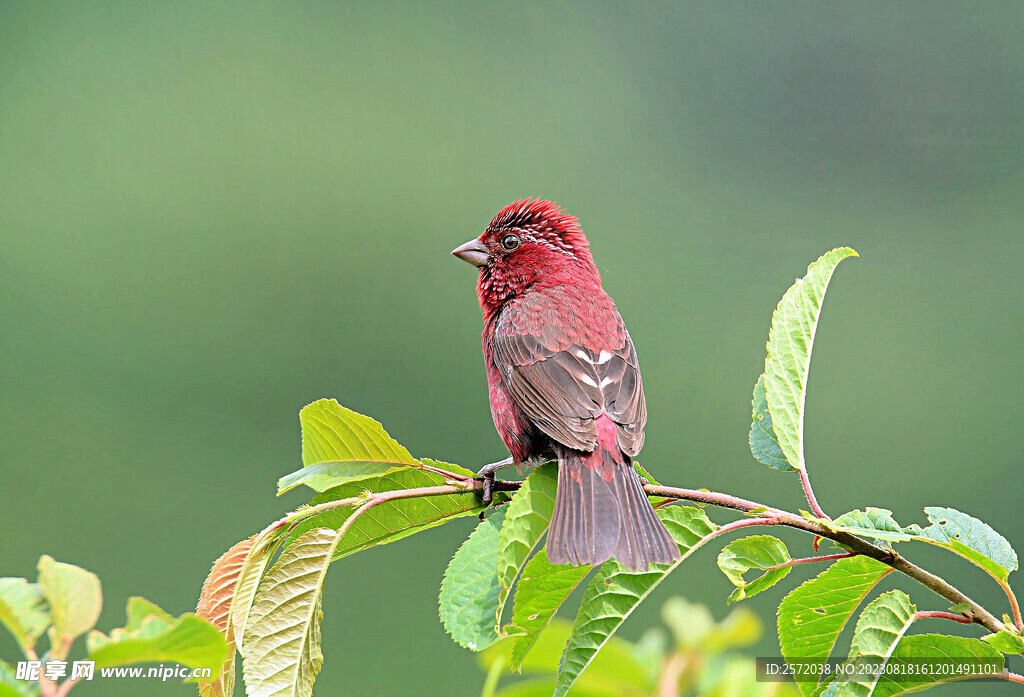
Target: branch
{"points": [[766, 515], [978, 614]]}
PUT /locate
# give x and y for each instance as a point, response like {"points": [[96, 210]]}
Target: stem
{"points": [[65, 688], [493, 676], [668, 683], [805, 482], [1006, 675], [46, 686], [978, 614], [1013, 603], [811, 560], [941, 615], [743, 523]]}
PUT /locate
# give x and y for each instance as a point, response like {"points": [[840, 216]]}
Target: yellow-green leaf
{"points": [[23, 610], [790, 341], [74, 595]]}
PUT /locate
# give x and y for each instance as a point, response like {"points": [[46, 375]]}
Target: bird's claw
{"points": [[486, 474]]}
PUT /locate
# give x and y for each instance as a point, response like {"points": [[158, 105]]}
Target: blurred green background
{"points": [[213, 213]]}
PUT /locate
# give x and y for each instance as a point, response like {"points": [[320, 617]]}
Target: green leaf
{"points": [[528, 516], [969, 537], [615, 592], [655, 500], [10, 686], [763, 443], [325, 475], [392, 520], [332, 432], [811, 617], [340, 446], [74, 595], [876, 523], [937, 650], [257, 559], [736, 676], [645, 474], [151, 635], [542, 589], [880, 627], [281, 644], [962, 608], [470, 590], [790, 340], [23, 610], [1006, 641], [694, 628], [754, 552], [542, 687], [617, 670]]}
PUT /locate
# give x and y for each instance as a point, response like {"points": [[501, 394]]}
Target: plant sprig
{"points": [[372, 491]]}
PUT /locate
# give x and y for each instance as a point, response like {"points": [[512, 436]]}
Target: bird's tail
{"points": [[601, 511]]}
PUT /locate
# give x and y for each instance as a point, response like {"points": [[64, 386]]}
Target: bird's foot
{"points": [[486, 473]]}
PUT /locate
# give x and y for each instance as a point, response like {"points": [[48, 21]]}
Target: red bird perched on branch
{"points": [[565, 383]]}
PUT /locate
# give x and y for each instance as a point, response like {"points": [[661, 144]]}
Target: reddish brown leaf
{"points": [[215, 607]]}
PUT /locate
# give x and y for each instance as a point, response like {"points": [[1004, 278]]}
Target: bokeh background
{"points": [[213, 213]]}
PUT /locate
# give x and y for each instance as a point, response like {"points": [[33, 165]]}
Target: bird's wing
{"points": [[562, 387]]}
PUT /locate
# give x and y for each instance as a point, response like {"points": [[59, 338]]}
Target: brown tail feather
{"points": [[595, 519]]}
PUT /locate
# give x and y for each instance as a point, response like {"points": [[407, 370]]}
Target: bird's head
{"points": [[529, 242]]}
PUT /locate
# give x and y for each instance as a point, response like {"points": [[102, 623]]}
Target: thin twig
{"points": [[811, 560], [65, 687], [940, 615], [46, 686], [1013, 603], [1005, 675], [805, 482]]}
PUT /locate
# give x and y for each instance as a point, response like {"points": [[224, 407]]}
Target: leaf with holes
{"points": [[542, 589], [969, 537], [23, 610], [615, 592], [949, 659], [880, 627], [528, 516], [876, 523], [281, 655], [470, 591], [755, 552], [790, 341], [811, 617], [763, 443]]}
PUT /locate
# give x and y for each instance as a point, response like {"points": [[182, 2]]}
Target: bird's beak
{"points": [[475, 252]]}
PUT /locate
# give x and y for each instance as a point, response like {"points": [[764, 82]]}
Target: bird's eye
{"points": [[509, 242]]}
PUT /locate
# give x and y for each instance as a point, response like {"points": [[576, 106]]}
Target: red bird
{"points": [[565, 383]]}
